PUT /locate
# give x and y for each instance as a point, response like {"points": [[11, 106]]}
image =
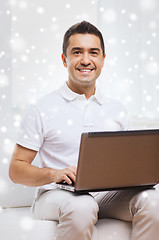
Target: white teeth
{"points": [[85, 70]]}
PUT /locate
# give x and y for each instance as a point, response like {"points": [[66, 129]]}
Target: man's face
{"points": [[84, 60]]}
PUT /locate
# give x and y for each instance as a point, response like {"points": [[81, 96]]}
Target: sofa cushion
{"points": [[113, 229], [19, 224]]}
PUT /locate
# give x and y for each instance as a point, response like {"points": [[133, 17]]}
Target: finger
{"points": [[72, 176], [67, 179]]}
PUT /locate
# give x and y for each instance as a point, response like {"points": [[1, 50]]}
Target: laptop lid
{"points": [[116, 160]]}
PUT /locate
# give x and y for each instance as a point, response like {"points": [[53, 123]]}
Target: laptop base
{"points": [[71, 188]]}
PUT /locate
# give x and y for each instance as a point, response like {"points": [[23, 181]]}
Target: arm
{"points": [[21, 171]]}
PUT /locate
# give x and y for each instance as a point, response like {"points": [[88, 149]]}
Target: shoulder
{"points": [[48, 98], [42, 106], [109, 102], [115, 108], [115, 103], [48, 101]]}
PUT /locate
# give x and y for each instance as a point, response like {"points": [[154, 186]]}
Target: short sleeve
{"points": [[31, 132]]}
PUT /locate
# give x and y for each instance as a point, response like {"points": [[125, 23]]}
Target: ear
{"points": [[103, 60], [64, 60]]}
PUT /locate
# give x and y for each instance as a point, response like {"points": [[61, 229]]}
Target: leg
{"points": [[145, 217], [76, 214], [115, 204], [140, 207]]}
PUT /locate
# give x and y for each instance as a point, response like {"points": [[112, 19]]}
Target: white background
{"points": [[31, 35]]}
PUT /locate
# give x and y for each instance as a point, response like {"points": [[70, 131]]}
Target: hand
{"points": [[67, 174]]}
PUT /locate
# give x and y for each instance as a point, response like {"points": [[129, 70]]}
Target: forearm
{"points": [[21, 171], [24, 173]]}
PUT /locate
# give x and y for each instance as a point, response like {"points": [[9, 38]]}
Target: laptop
{"points": [[116, 160]]}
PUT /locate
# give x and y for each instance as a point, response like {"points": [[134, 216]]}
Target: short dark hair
{"points": [[82, 28]]}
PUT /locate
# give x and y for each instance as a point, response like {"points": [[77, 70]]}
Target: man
{"points": [[52, 128]]}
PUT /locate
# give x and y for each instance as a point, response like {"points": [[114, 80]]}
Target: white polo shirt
{"points": [[54, 125]]}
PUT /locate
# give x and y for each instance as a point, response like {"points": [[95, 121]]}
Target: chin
{"points": [[87, 82]]}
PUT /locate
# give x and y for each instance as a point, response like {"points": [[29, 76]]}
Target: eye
{"points": [[76, 52], [94, 53]]}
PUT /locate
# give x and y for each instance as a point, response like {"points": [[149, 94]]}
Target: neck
{"points": [[88, 91]]}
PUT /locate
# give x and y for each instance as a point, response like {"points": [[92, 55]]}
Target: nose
{"points": [[85, 60]]}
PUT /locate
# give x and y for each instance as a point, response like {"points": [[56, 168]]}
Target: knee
{"points": [[146, 203], [81, 212]]}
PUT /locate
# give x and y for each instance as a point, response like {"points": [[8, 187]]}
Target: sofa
{"points": [[16, 219], [18, 223]]}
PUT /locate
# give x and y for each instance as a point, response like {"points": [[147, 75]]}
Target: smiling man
{"points": [[52, 129], [84, 62]]}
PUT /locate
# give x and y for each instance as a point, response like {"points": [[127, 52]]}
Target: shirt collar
{"points": [[69, 95], [98, 95]]}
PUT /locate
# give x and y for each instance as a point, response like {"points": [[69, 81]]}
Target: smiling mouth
{"points": [[85, 70]]}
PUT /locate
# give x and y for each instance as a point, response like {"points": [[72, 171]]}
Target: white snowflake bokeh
{"points": [[27, 223], [131, 35], [30, 59]]}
